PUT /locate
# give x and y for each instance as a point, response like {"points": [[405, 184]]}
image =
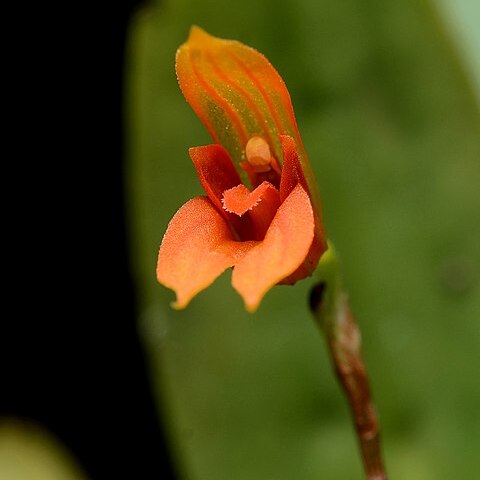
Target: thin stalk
{"points": [[330, 307]]}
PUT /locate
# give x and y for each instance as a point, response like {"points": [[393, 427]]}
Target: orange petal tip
{"points": [[198, 36]]}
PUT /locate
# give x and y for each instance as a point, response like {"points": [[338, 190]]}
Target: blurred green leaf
{"points": [[392, 127], [28, 452]]}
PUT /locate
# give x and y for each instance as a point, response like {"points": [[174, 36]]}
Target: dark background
{"points": [[70, 357]]}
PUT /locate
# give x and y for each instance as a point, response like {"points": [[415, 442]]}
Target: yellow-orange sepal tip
{"points": [[236, 93], [199, 37]]}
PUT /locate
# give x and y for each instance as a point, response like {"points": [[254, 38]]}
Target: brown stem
{"points": [[344, 341]]}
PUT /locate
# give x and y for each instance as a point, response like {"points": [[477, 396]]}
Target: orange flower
{"points": [[271, 233]]}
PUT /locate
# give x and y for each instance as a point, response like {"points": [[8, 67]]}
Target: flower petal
{"points": [[215, 171], [236, 93], [217, 174], [197, 247], [283, 250], [293, 174]]}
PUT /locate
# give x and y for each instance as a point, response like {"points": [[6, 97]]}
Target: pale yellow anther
{"points": [[258, 154]]}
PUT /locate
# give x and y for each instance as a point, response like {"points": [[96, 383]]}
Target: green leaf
{"points": [[391, 125]]}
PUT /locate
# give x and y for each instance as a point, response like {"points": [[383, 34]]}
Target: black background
{"points": [[70, 357]]}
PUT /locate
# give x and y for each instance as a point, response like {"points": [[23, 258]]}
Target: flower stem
{"points": [[332, 312]]}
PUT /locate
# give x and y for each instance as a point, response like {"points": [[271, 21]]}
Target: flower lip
{"points": [[260, 205]]}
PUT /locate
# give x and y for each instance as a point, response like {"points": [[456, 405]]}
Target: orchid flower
{"points": [[261, 213]]}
